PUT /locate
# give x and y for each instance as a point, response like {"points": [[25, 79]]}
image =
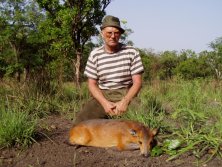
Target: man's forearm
{"points": [[134, 89], [96, 93]]}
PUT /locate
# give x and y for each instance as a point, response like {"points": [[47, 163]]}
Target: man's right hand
{"points": [[109, 108]]}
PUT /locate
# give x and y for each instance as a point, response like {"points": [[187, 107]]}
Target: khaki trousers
{"points": [[94, 110]]}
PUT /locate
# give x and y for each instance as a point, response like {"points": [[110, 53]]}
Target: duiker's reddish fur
{"points": [[123, 134]]}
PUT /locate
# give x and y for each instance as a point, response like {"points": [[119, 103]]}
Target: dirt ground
{"points": [[51, 150]]}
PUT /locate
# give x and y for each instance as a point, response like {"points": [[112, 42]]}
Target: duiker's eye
{"points": [[133, 132], [140, 142]]}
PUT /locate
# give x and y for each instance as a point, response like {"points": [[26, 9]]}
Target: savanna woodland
{"points": [[44, 45]]}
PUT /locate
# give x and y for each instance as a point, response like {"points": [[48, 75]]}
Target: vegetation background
{"points": [[44, 46]]}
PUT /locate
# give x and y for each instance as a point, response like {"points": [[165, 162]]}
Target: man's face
{"points": [[111, 36]]}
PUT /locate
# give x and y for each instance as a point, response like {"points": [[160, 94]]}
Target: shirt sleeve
{"points": [[137, 65], [91, 68]]}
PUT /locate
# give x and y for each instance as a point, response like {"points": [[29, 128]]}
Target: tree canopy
{"points": [[50, 40]]}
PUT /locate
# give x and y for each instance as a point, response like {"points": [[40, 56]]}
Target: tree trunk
{"points": [[77, 68], [60, 73], [17, 56]]}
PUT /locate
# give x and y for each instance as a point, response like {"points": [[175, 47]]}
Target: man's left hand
{"points": [[121, 106]]}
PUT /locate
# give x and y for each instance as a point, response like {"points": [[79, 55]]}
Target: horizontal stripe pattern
{"points": [[114, 71]]}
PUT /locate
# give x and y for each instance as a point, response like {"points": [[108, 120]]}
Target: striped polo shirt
{"points": [[114, 70]]}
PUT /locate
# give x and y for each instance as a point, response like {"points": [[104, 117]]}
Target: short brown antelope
{"points": [[122, 134]]}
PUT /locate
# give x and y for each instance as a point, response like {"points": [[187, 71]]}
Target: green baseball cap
{"points": [[111, 21]]}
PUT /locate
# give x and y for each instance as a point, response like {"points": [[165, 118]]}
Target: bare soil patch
{"points": [[52, 151]]}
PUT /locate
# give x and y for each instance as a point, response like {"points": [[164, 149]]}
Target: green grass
{"points": [[16, 128], [188, 114], [21, 107]]}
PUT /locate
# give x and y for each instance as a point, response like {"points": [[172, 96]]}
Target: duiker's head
{"points": [[145, 139]]}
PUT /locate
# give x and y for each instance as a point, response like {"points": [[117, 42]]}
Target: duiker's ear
{"points": [[155, 131], [133, 132]]}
